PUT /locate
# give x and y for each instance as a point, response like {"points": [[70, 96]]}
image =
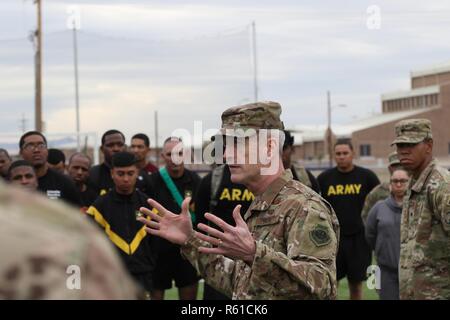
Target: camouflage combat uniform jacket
{"points": [[380, 192], [296, 233], [424, 271], [50, 251]]}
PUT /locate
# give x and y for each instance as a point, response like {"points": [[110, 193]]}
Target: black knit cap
{"points": [[288, 139], [56, 156], [123, 159]]}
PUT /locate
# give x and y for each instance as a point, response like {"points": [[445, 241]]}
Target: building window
{"points": [[449, 148], [435, 99], [420, 102], [364, 150]]}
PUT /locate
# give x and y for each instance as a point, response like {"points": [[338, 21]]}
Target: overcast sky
{"points": [[190, 60]]}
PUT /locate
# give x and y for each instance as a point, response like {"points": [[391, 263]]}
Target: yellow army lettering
{"points": [[344, 189], [236, 195]]}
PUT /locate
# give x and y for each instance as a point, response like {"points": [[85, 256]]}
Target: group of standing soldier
{"points": [[255, 235]]}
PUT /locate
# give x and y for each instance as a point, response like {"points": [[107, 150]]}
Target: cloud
{"points": [[191, 59], [131, 109]]}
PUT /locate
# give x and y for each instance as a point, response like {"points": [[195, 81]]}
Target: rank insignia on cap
{"points": [[319, 235]]}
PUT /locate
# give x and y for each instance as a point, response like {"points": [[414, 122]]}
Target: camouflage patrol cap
{"points": [[244, 120], [393, 159], [412, 131]]}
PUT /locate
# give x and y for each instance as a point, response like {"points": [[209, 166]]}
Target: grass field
{"points": [[343, 293]]}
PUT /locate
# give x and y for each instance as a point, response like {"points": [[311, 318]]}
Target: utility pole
{"points": [[255, 62], [330, 151], [156, 138], [38, 69], [77, 100]]}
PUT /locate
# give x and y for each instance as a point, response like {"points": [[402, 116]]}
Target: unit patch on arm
{"points": [[320, 235]]}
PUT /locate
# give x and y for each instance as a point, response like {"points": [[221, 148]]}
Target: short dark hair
{"points": [[288, 139], [346, 142], [110, 132], [142, 136], [56, 156], [5, 152], [123, 159], [19, 163], [30, 133], [81, 154], [172, 139]]}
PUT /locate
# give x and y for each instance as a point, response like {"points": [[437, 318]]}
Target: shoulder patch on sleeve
{"points": [[446, 210], [319, 235]]}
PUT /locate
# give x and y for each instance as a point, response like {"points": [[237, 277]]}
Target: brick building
{"points": [[429, 97]]}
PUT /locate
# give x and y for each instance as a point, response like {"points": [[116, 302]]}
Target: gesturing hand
{"points": [[173, 227], [234, 242]]}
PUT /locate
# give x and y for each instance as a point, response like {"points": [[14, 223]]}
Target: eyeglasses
{"points": [[402, 181], [32, 146]]}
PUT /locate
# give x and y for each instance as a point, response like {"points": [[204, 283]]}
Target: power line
{"points": [[329, 16], [14, 39], [122, 38], [46, 34], [137, 39]]}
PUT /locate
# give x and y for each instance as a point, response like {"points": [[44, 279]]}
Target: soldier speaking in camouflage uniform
{"points": [[285, 245], [424, 270], [381, 191], [49, 251]]}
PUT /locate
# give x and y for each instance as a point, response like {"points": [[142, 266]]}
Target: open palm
{"points": [[175, 228]]}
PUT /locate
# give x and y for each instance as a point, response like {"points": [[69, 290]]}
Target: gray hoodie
{"points": [[383, 232]]}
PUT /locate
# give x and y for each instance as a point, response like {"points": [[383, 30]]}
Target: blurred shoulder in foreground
{"points": [[50, 251]]}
